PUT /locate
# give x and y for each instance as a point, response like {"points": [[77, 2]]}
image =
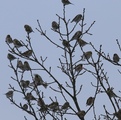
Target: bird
{"points": [[90, 101], [81, 113], [8, 39], [76, 35], [20, 65], [43, 108], [27, 53], [118, 114], [11, 57], [116, 58], [111, 93], [81, 42], [66, 2], [37, 80], [25, 83], [65, 105], [55, 25], [54, 106], [25, 106], [28, 29], [26, 66], [87, 55], [9, 94], [29, 96], [77, 18], [40, 102], [66, 43], [17, 43], [78, 67]]}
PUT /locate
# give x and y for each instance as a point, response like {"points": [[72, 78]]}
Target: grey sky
{"points": [[14, 14]]}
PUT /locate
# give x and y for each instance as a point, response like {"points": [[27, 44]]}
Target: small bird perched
{"points": [[29, 96], [38, 81], [76, 35], [20, 65], [81, 113], [55, 25], [17, 43], [111, 93], [81, 42], [66, 43], [9, 94], [78, 67], [43, 108], [116, 58], [40, 102], [26, 66], [11, 57], [27, 53], [77, 18], [90, 101], [65, 105], [54, 106], [8, 39], [25, 106], [28, 29], [25, 83], [118, 114], [87, 55], [66, 2]]}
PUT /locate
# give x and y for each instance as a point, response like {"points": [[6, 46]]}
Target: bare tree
{"points": [[75, 62]]}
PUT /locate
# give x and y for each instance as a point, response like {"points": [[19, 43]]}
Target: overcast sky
{"points": [[15, 14]]}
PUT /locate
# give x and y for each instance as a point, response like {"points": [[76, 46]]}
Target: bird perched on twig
{"points": [[25, 106], [20, 65], [43, 108], [90, 101], [11, 57], [66, 43], [27, 53], [8, 39], [81, 114], [78, 67], [87, 55], [26, 66], [116, 58], [65, 106], [118, 114], [66, 2], [17, 43], [111, 93], [55, 25], [40, 102], [25, 83], [76, 35], [29, 96], [81, 42], [38, 81], [77, 18], [9, 94], [54, 106], [28, 29]]}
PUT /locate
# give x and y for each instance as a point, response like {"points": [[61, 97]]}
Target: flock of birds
{"points": [[37, 78]]}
